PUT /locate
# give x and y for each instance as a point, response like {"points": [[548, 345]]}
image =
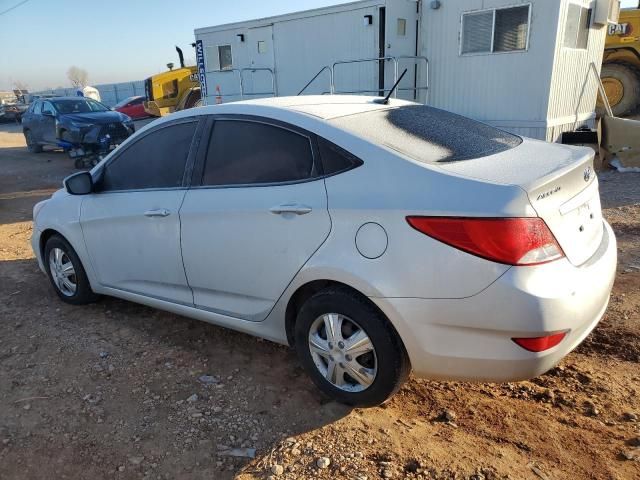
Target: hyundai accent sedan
{"points": [[374, 238]]}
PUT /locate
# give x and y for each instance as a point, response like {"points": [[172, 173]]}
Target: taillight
{"points": [[513, 241], [540, 344]]}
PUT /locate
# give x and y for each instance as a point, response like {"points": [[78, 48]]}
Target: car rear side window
{"points": [[335, 159], [246, 153], [37, 109], [157, 160]]}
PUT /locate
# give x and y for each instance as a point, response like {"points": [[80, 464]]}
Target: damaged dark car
{"points": [[83, 127]]}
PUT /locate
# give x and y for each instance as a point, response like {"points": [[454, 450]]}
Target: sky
{"points": [[114, 40]]}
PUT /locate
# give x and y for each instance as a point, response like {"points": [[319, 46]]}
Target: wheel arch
{"points": [[310, 288], [46, 235], [622, 54]]}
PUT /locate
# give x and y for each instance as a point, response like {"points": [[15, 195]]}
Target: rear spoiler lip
{"points": [[581, 156]]}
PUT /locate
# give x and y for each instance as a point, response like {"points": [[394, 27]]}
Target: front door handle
{"points": [[161, 212], [296, 208]]}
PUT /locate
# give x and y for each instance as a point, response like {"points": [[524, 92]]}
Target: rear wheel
{"points": [[66, 273], [349, 348], [32, 145], [621, 82]]}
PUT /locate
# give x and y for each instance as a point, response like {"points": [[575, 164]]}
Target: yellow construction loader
{"points": [[173, 90], [621, 64]]}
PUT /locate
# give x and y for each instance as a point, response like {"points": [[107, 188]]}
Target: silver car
{"points": [[374, 238]]}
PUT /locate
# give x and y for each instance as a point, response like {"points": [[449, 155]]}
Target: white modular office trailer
{"points": [[522, 65]]}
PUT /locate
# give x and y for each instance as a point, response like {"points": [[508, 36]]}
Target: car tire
{"points": [[58, 254], [32, 145], [623, 81], [384, 369]]}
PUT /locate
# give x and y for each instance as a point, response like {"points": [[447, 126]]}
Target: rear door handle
{"points": [[161, 212], [296, 208]]}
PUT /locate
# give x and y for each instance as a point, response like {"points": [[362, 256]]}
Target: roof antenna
{"points": [[385, 100]]}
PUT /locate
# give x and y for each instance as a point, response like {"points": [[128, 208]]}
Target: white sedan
{"points": [[374, 238]]}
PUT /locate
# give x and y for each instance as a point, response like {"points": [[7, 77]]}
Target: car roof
{"points": [[54, 99], [328, 106], [324, 107]]}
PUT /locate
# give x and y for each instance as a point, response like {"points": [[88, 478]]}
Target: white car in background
{"points": [[374, 238]]}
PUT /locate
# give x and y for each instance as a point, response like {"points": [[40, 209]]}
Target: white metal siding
{"points": [[303, 46], [573, 89], [498, 87]]}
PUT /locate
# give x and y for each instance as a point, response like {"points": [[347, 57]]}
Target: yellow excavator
{"points": [[173, 90], [621, 64]]}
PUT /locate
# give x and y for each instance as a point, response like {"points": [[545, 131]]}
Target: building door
{"points": [[260, 56], [402, 38]]}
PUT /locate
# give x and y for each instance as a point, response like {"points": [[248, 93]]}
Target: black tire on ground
{"points": [[391, 357], [629, 77], [83, 294], [32, 145]]}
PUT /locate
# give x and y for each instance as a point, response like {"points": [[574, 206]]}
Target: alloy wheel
{"points": [[63, 272], [343, 352]]}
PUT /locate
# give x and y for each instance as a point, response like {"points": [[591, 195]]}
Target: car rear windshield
{"points": [[81, 105], [428, 134]]}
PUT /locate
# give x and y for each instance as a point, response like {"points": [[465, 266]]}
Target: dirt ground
{"points": [[113, 390]]}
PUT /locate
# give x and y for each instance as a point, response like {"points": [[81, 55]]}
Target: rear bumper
{"points": [[470, 338]]}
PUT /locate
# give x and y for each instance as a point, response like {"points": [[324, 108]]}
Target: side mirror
{"points": [[80, 183]]}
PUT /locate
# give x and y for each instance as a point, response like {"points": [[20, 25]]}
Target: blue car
{"points": [[85, 128]]}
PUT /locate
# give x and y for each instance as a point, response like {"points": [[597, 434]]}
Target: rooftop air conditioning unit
{"points": [[607, 12]]}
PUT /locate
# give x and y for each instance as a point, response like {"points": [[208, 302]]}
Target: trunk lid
{"points": [[560, 183]]}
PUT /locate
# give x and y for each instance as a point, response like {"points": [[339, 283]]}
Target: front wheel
{"points": [[32, 145], [66, 273], [349, 348]]}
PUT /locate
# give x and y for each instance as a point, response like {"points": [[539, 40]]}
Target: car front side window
{"points": [[47, 107], [157, 160], [251, 153]]}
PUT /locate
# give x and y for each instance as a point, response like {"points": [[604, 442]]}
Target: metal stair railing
{"points": [[274, 90], [326, 67], [364, 60], [417, 59], [240, 73], [423, 86]]}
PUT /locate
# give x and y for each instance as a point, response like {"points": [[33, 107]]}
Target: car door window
{"points": [[247, 152], [37, 109], [48, 108], [156, 160], [335, 159]]}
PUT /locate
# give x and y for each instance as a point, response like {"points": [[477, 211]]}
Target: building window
{"points": [[576, 27], [402, 27], [497, 30], [262, 46], [170, 89], [224, 57]]}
